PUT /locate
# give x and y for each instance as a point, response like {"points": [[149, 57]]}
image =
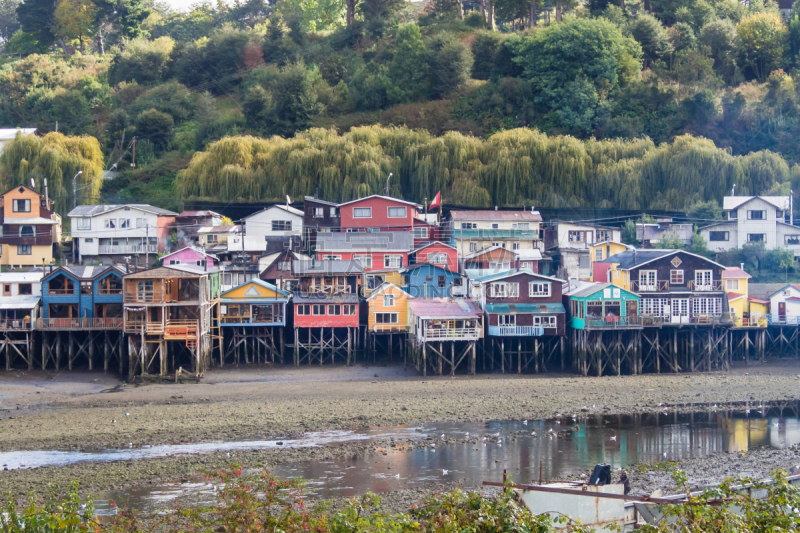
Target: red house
{"points": [[378, 250], [435, 253], [327, 295], [378, 212]]}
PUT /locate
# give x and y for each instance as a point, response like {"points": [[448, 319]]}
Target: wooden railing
{"points": [[181, 328], [389, 327], [60, 292], [144, 296], [516, 331], [782, 320], [752, 322], [451, 334], [18, 324], [108, 292], [615, 322], [713, 285], [79, 323], [656, 286]]}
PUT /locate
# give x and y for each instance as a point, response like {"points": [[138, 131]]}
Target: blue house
{"points": [[433, 281], [82, 297], [254, 303]]}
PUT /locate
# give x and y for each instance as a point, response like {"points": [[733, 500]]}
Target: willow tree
{"points": [[57, 158]]}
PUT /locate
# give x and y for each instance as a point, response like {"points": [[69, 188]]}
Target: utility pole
{"points": [[147, 245], [75, 189]]}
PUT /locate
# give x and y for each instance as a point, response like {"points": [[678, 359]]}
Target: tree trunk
{"points": [[351, 11], [67, 50], [558, 12], [460, 9], [101, 45], [490, 13], [482, 8], [532, 21], [646, 4]]}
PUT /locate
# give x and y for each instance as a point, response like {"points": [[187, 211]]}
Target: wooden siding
{"points": [[376, 305]]}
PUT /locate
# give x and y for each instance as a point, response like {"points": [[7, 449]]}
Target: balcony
{"points": [[247, 320], [489, 234], [516, 331], [751, 322], [618, 322], [712, 285], [60, 292], [389, 328], [654, 286], [110, 292], [138, 297], [782, 320], [52, 324], [127, 248], [15, 325], [451, 334]]}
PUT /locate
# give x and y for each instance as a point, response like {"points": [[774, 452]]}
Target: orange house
{"points": [[388, 309], [29, 228]]}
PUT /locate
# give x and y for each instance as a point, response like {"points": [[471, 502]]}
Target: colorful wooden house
{"points": [[739, 302], [387, 318], [784, 305], [380, 213], [20, 302], [190, 256], [376, 278], [489, 261], [319, 216], [446, 328], [435, 253], [170, 317], [30, 228], [276, 268], [252, 317], [434, 281], [603, 306], [374, 250], [598, 254], [326, 309]]}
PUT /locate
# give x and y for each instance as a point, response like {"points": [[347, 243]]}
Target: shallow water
{"points": [[465, 452]]}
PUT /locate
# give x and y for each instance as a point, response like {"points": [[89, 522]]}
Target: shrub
{"points": [[155, 126], [142, 60]]}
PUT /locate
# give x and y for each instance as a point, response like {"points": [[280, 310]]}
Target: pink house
{"points": [[436, 253], [189, 256]]}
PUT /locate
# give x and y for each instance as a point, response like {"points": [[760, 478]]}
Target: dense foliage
{"points": [[711, 80]]}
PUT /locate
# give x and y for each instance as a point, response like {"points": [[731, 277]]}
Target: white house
{"points": [[17, 283], [784, 305], [753, 219], [568, 244], [112, 232], [9, 134], [275, 221], [473, 231]]}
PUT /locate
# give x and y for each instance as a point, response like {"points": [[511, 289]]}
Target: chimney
{"points": [[741, 265]]}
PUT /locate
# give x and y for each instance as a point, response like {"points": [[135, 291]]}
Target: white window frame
{"points": [[437, 258], [500, 266], [648, 278], [303, 310], [751, 211], [365, 259], [392, 261], [141, 222], [535, 289], [330, 257], [726, 236], [762, 235], [469, 225], [83, 224], [393, 318], [420, 232], [111, 223], [332, 308], [316, 307], [703, 278], [473, 247], [334, 212], [175, 262], [507, 320], [396, 208], [26, 205], [318, 212], [503, 289], [388, 300], [675, 272], [546, 321], [598, 254], [281, 225], [731, 284], [124, 223], [24, 249], [515, 246], [349, 310], [362, 212]]}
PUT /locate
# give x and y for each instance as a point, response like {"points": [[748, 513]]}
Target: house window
{"points": [[756, 237], [25, 288], [386, 318], [791, 240], [317, 309], [718, 236], [330, 257], [676, 277], [388, 300], [442, 282], [349, 309], [499, 266], [226, 279], [7, 289], [707, 306], [473, 247], [702, 278], [506, 320], [392, 261], [334, 212], [469, 225], [397, 212], [373, 282], [284, 265], [199, 262], [505, 290], [458, 282], [538, 289], [86, 287], [437, 259], [21, 206], [647, 279], [27, 231], [365, 260], [141, 222], [756, 215], [88, 239], [603, 235], [598, 254], [319, 212], [84, 223], [304, 310], [575, 236], [495, 226], [111, 223], [362, 212], [124, 223], [547, 322], [732, 285], [281, 225], [24, 249], [515, 246], [421, 232], [521, 226], [334, 310]]}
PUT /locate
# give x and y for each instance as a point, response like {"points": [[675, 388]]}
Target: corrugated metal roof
{"points": [[735, 272], [592, 289], [527, 216], [162, 272], [94, 210], [15, 277], [218, 229], [300, 298], [444, 308], [282, 207], [19, 302], [528, 309], [317, 200], [8, 134], [385, 198], [192, 269], [204, 213], [379, 241], [87, 272], [327, 266]]}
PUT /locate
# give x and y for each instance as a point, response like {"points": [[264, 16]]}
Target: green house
{"points": [[603, 306]]}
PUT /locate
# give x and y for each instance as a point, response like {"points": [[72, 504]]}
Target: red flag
{"points": [[436, 201]]}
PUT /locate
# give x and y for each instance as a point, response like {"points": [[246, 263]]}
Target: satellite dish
{"points": [[33, 185]]}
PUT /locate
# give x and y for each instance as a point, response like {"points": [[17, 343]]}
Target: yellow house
{"points": [[388, 309], [601, 251], [29, 228], [375, 278], [739, 302]]}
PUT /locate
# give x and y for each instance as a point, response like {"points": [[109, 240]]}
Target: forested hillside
{"points": [[654, 104]]}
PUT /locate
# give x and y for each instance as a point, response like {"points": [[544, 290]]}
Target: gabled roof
{"points": [[636, 258], [84, 272], [283, 207], [379, 241], [733, 202], [194, 249], [317, 200], [732, 223], [327, 267], [16, 187], [488, 214], [261, 283], [794, 286], [204, 213], [444, 308], [385, 198], [162, 272], [583, 292], [487, 250], [8, 134], [193, 269], [94, 210], [628, 246], [384, 286], [417, 266], [735, 273], [757, 300], [431, 243], [16, 276], [509, 273], [735, 296]]}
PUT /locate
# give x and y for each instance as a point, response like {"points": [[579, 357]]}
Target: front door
{"points": [[680, 310], [782, 311], [631, 308]]}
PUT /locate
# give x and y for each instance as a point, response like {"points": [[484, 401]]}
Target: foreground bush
{"points": [[262, 502]]}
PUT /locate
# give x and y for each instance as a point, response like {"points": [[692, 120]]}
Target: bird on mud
{"points": [[533, 434], [614, 438], [445, 472], [113, 421], [524, 422]]}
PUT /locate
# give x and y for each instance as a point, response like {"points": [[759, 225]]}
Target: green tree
{"points": [[720, 38], [628, 233], [379, 15], [484, 50], [652, 36], [705, 211], [449, 64], [36, 18], [157, 127], [142, 60], [295, 98], [762, 37], [409, 80], [8, 19], [74, 20]]}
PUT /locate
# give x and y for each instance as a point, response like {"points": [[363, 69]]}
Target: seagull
{"points": [[748, 411], [442, 435], [433, 445], [594, 406], [659, 405], [550, 430], [113, 421], [445, 472], [614, 438], [228, 454], [665, 455], [533, 434], [525, 422], [127, 414], [397, 476]]}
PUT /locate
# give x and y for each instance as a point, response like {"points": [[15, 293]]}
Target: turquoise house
{"points": [[603, 306]]}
